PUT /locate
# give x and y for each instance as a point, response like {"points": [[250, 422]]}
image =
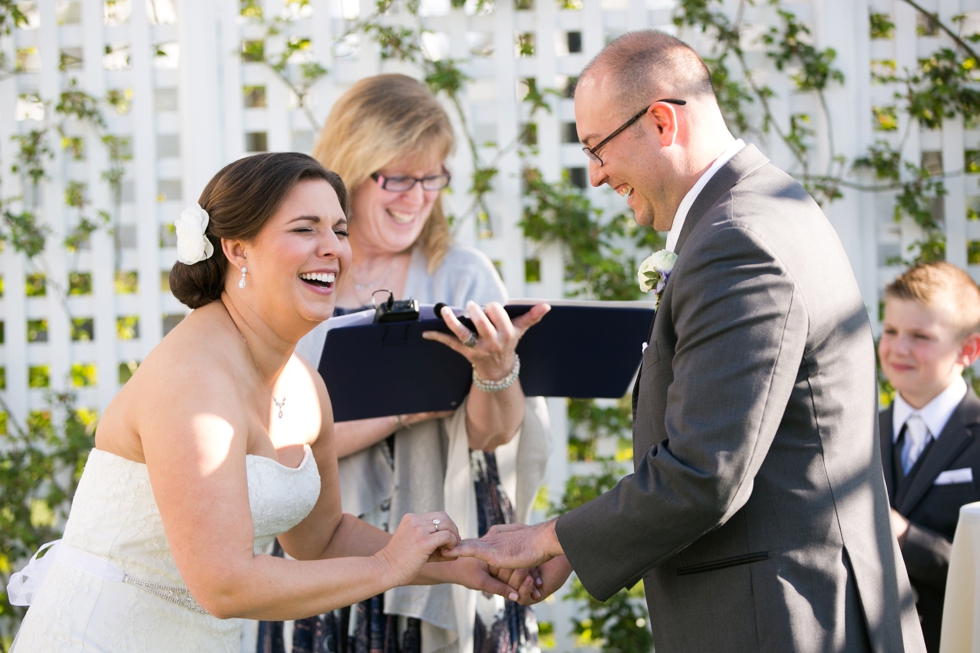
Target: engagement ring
{"points": [[436, 524], [470, 340]]}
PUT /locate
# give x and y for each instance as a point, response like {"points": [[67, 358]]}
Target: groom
{"points": [[757, 515]]}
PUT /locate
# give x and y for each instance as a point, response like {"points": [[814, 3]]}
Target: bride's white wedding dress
{"points": [[113, 584]]}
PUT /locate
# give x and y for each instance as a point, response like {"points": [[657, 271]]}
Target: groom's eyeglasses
{"points": [[592, 152]]}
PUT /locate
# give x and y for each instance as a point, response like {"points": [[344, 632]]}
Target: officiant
{"points": [[388, 138]]}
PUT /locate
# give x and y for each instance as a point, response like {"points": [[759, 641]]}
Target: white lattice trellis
{"points": [[195, 105]]}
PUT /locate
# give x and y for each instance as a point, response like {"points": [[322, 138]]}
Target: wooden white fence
{"points": [[195, 106]]}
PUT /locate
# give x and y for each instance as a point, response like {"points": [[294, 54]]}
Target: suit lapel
{"points": [[887, 434], [636, 384], [748, 160], [956, 435]]}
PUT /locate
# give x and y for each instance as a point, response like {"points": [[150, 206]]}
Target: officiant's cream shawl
{"points": [[431, 468]]}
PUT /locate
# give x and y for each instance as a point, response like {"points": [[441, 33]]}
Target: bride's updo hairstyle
{"points": [[239, 200]]}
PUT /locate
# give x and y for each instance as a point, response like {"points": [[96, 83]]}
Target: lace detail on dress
{"points": [[279, 496], [114, 517]]}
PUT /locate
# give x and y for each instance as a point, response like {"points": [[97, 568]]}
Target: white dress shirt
{"points": [[935, 414], [681, 216]]}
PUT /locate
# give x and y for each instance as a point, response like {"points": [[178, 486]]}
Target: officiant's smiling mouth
{"points": [[402, 218], [319, 280]]}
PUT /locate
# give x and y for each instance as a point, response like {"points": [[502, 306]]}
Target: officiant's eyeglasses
{"points": [[591, 152], [402, 184]]}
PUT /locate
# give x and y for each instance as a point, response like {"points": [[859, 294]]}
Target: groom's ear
{"points": [[665, 119]]}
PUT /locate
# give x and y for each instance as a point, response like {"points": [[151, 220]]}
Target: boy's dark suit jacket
{"points": [[931, 509]]}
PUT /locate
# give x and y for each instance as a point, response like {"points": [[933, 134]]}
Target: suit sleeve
{"points": [[926, 553], [741, 329]]}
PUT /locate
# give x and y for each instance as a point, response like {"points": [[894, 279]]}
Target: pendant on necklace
{"points": [[366, 286], [279, 404], [372, 284]]}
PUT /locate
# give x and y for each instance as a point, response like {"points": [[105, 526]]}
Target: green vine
{"points": [[395, 42], [597, 249], [23, 229], [43, 457], [39, 471], [558, 213], [941, 87], [619, 624]]}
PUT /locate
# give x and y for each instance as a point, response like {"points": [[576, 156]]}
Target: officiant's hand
{"points": [[411, 419], [491, 352], [512, 546]]}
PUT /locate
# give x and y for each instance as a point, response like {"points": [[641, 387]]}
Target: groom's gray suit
{"points": [[757, 515]]}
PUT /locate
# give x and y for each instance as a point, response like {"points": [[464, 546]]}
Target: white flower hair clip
{"points": [[192, 245]]}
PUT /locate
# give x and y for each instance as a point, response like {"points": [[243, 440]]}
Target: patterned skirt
{"points": [[513, 629]]}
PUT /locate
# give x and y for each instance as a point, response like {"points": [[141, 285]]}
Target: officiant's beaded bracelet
{"points": [[496, 386]]}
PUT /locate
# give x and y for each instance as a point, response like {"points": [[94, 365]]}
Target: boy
{"points": [[930, 436]]}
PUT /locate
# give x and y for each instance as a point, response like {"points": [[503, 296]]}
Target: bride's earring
{"points": [[241, 283]]}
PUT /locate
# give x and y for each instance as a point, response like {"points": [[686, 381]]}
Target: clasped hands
{"points": [[477, 564], [528, 558]]}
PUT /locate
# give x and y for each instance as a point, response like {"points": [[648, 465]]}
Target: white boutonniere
{"points": [[655, 271], [192, 244]]}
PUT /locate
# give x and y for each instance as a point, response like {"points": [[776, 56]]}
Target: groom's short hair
{"points": [[647, 62], [944, 286]]}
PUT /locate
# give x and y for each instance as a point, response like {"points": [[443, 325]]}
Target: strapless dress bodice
{"points": [[114, 517]]}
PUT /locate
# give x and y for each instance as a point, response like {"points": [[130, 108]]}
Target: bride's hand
{"points": [[418, 539]]}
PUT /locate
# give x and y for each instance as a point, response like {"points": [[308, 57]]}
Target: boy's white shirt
{"points": [[935, 414]]}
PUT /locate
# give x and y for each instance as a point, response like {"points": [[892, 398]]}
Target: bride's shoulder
{"points": [[196, 356], [189, 374], [309, 390], [313, 413]]}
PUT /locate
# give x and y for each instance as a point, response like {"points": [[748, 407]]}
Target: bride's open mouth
{"points": [[319, 279]]}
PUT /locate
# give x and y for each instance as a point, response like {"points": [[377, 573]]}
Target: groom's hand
{"points": [[551, 576], [535, 585], [523, 581], [512, 546]]}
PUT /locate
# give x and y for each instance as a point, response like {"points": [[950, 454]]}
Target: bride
{"points": [[223, 440]]}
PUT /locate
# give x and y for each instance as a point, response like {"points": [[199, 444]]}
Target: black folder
{"points": [[579, 349]]}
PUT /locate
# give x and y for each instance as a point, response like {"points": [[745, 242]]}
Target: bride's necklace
{"points": [[279, 404]]}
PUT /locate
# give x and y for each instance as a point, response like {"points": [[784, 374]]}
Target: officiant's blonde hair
{"points": [[381, 119], [941, 285]]}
